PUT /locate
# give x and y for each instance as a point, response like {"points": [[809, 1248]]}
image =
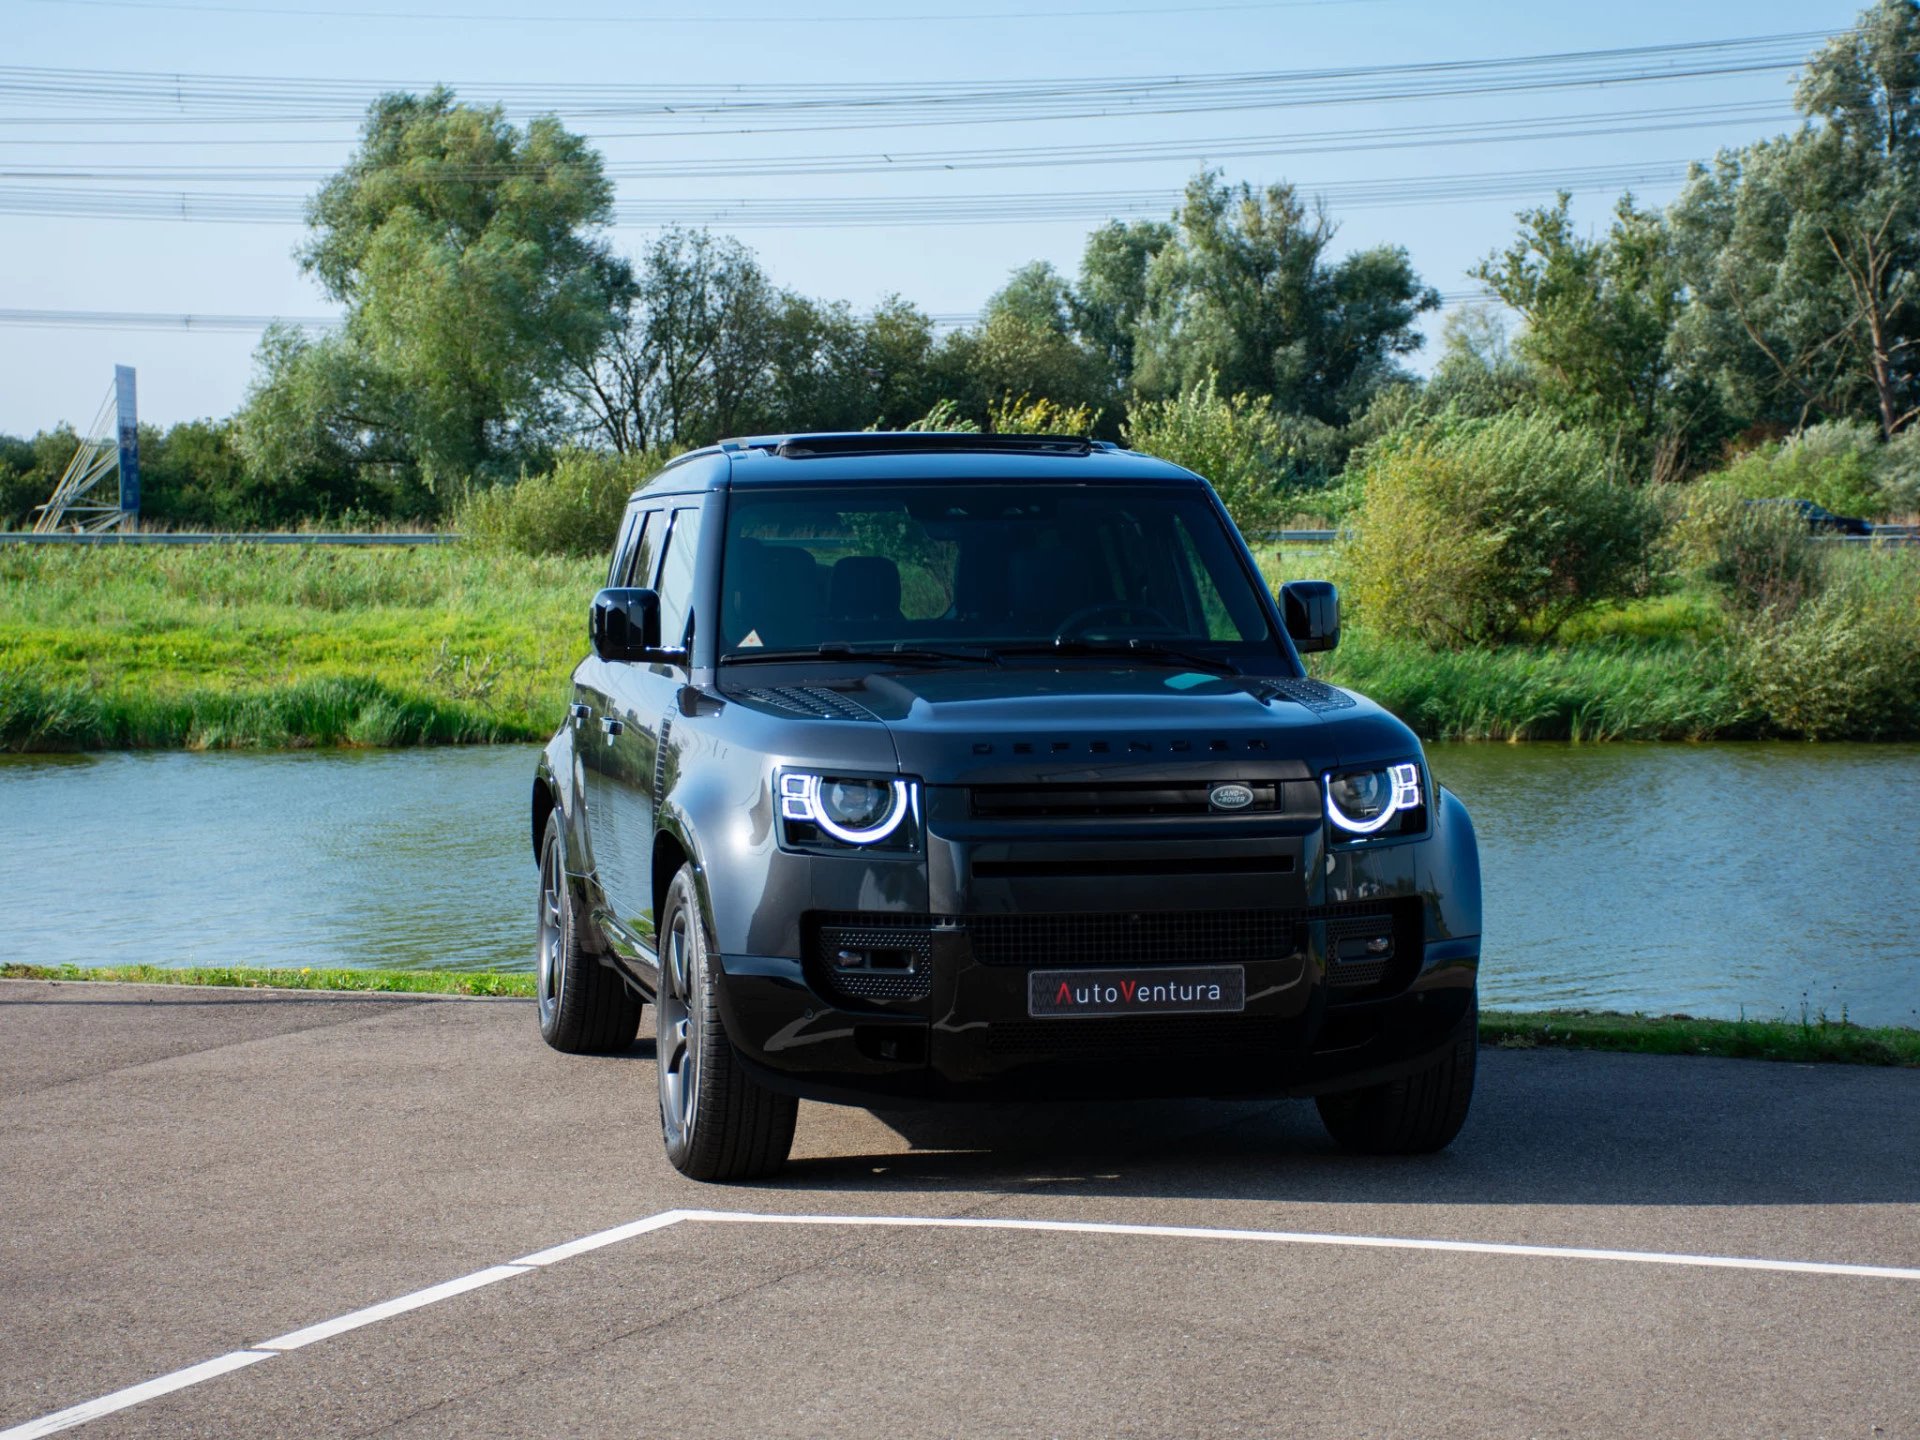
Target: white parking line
{"points": [[399, 1305], [134, 1395], [433, 1294]]}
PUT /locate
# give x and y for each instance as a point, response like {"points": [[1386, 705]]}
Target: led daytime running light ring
{"points": [[1406, 796], [808, 800]]}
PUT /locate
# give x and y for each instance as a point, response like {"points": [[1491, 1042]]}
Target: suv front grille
{"points": [[1202, 937], [1128, 799]]}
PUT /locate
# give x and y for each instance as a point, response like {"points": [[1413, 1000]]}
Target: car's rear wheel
{"points": [[719, 1123], [1414, 1115], [585, 1008]]}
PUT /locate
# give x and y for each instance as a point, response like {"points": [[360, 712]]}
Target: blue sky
{"points": [[736, 46]]}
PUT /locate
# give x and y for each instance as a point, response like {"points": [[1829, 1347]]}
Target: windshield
{"points": [[984, 565]]}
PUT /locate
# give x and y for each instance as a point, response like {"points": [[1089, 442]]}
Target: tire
{"points": [[718, 1122], [1414, 1115], [585, 1008]]}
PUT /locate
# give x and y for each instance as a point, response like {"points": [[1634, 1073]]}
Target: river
{"points": [[1719, 879]]}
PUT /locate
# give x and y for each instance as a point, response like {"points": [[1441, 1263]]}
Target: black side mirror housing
{"points": [[624, 624], [1311, 609]]}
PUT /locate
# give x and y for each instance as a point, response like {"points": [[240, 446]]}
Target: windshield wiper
{"points": [[1148, 650], [840, 650]]}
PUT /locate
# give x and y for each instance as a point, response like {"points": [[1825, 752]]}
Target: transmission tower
{"points": [[110, 449]]}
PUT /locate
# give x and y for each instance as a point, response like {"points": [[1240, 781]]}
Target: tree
{"points": [[1037, 296], [1245, 291], [1598, 312], [1802, 251], [464, 250], [1112, 291]]}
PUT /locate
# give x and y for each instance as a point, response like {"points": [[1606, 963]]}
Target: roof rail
{"points": [[922, 442]]}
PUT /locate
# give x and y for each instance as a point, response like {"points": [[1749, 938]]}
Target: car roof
{"points": [[859, 456]]}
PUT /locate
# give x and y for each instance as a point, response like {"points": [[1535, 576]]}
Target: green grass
{"points": [[1616, 688], [386, 982], [280, 646], [1803, 1041]]}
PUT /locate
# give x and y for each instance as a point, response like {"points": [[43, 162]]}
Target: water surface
{"points": [[1711, 879]]}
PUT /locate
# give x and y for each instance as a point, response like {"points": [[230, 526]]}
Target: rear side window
{"points": [[633, 555], [676, 576], [622, 550], [646, 549]]}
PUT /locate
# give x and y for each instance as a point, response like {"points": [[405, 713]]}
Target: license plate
{"points": [[1188, 990]]}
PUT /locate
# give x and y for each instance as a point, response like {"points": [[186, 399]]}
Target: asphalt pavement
{"points": [[190, 1176]]}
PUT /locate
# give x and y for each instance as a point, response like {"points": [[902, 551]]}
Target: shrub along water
{"points": [[1473, 532]]}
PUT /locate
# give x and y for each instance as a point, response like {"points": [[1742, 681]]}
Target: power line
{"points": [[898, 162], [853, 212], [802, 107], [775, 18], [212, 324]]}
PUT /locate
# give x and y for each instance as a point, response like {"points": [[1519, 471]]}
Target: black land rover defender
{"points": [[919, 766]]}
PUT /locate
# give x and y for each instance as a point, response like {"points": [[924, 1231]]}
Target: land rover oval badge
{"points": [[1230, 797]]}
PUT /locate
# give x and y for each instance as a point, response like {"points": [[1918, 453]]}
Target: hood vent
{"points": [[815, 702], [1316, 695]]}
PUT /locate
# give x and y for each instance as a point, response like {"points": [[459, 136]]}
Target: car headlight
{"points": [[855, 810], [1368, 800]]}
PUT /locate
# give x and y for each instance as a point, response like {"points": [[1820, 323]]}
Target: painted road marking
{"points": [[399, 1305], [1305, 1237], [434, 1294], [134, 1394]]}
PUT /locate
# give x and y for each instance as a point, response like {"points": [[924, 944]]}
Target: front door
{"points": [[621, 840], [640, 704]]}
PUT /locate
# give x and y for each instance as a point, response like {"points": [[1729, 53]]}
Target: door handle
{"points": [[611, 725]]}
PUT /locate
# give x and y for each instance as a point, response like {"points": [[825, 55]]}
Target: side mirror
{"points": [[1312, 612], [625, 624]]}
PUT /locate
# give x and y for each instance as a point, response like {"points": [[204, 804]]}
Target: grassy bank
{"points": [[272, 646], [382, 982], [1807, 1041]]}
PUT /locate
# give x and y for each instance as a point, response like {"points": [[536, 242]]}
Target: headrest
{"points": [[864, 587]]}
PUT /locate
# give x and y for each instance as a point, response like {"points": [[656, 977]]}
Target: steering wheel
{"points": [[1072, 627]]}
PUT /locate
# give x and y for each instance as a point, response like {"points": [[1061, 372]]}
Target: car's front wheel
{"points": [[585, 1008], [1414, 1115], [718, 1121]]}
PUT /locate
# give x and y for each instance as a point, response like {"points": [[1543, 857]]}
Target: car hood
{"points": [[978, 725]]}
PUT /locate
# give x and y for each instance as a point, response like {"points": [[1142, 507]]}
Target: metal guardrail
{"points": [[159, 537], [1885, 535]]}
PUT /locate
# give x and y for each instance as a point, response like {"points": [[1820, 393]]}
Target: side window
{"points": [[622, 551], [676, 576], [645, 551]]}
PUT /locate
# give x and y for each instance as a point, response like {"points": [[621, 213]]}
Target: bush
{"points": [[1846, 665], [1040, 417], [573, 509], [1836, 465], [1470, 532], [945, 416], [1759, 557], [1900, 475], [1260, 463]]}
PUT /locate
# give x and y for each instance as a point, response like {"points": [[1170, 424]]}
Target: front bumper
{"points": [[1300, 1034]]}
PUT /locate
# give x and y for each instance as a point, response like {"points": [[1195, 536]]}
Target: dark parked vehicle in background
{"points": [[924, 767], [1821, 521]]}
